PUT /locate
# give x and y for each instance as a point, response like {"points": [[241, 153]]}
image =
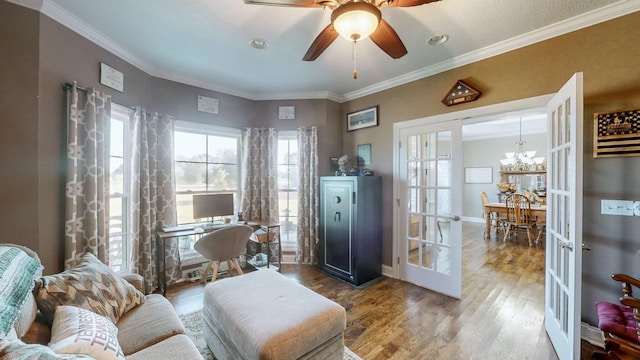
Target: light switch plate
{"points": [[616, 207]]}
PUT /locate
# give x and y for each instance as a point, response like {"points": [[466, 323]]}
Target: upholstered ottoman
{"points": [[264, 315]]}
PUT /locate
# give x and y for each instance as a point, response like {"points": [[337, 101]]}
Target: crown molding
{"points": [[564, 27], [30, 4], [70, 21]]}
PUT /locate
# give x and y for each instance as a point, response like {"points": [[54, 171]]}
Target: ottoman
{"points": [[264, 315]]}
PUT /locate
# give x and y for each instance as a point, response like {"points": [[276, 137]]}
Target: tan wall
{"points": [[39, 55], [19, 58], [608, 56], [42, 55]]}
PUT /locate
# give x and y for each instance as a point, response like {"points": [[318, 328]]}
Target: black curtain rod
{"points": [[68, 86]]}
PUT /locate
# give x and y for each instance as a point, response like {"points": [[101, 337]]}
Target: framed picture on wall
{"points": [[362, 119], [478, 175], [364, 154]]}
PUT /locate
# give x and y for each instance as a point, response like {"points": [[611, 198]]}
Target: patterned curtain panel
{"points": [[260, 169], [152, 195], [87, 185], [308, 197]]}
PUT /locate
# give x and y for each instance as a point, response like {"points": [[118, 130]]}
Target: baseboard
{"points": [[591, 334], [387, 271]]}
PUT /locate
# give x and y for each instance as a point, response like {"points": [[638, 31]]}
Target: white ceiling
{"points": [[206, 42]]}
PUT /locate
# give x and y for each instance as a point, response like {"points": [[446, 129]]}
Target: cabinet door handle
{"points": [[336, 216]]}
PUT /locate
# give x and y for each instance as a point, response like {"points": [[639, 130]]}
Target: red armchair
{"points": [[621, 323]]}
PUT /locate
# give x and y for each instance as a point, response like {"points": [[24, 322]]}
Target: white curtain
{"points": [[260, 169], [308, 197], [87, 185], [152, 195]]}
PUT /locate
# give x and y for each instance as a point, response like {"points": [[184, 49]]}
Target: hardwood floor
{"points": [[500, 315]]}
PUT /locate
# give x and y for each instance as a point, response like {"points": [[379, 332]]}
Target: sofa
{"points": [[49, 325]]}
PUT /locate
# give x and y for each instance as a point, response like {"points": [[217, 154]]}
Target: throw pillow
{"points": [[80, 331], [90, 285], [18, 350], [18, 271]]}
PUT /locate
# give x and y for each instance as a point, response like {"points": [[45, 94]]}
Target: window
{"points": [[207, 161], [119, 196], [288, 188]]}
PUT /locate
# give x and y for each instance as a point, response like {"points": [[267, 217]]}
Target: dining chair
{"points": [[497, 221], [519, 217]]}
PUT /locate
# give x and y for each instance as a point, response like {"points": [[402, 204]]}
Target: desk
{"points": [[161, 238], [501, 208]]}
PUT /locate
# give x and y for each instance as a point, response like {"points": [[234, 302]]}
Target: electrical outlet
{"points": [[616, 207]]}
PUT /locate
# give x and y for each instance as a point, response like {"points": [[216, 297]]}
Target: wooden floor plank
{"points": [[500, 315]]}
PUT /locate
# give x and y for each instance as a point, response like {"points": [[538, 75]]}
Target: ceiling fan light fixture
{"points": [[355, 21]]}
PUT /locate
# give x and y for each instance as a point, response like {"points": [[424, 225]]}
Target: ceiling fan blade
{"points": [[406, 3], [388, 40], [293, 3], [321, 43]]}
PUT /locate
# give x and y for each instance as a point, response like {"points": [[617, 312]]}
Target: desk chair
{"points": [[519, 216], [223, 244]]}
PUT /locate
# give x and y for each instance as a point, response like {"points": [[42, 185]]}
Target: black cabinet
{"points": [[351, 227]]}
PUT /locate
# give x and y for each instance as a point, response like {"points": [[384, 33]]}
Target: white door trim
{"points": [[516, 105]]}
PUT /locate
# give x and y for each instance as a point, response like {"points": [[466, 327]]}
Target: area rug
{"points": [[193, 323]]}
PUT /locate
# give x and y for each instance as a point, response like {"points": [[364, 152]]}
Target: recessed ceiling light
{"points": [[438, 39], [259, 44]]}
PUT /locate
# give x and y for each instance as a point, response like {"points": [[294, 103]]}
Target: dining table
{"points": [[537, 210]]}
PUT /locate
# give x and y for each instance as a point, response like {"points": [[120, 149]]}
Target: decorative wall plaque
{"points": [[460, 93], [286, 112], [111, 77], [616, 133]]}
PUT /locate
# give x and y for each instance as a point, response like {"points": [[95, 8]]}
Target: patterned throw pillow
{"points": [[18, 271], [80, 331], [90, 285]]}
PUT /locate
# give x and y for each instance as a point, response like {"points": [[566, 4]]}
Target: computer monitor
{"points": [[212, 205]]}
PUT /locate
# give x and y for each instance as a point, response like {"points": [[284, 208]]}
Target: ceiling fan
{"points": [[354, 20]]}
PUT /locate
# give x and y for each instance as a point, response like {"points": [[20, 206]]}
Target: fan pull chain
{"points": [[353, 56]]}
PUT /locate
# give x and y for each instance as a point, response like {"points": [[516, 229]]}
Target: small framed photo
{"points": [[364, 154], [333, 164], [362, 119]]}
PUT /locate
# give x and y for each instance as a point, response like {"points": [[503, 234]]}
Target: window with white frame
{"points": [[119, 196], [207, 161], [288, 188]]}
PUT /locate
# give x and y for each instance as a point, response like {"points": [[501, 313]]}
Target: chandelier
{"points": [[522, 160]]}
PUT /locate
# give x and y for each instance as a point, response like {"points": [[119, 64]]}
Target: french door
{"points": [[429, 200], [564, 219]]}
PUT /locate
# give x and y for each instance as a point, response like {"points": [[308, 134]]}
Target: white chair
{"points": [[223, 244]]}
